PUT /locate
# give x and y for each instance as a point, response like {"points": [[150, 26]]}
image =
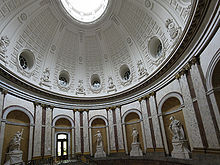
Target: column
{"points": [[2, 137], [48, 131], [77, 133], [146, 125], [53, 142], [111, 131], [156, 123], [2, 100], [204, 108], [31, 131], [85, 132], [119, 130], [189, 115], [37, 130]]}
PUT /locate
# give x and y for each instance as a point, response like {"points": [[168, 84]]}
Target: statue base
{"points": [[180, 149], [100, 153], [136, 150], [14, 157]]}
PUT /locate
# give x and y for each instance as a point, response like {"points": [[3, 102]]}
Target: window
{"points": [[23, 62], [85, 10]]}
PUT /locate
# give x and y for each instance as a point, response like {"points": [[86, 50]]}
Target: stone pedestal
{"points": [[180, 149], [14, 157], [136, 150], [100, 153]]}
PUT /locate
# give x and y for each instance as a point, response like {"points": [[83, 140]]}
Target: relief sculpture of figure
{"points": [[135, 135], [177, 129], [4, 42], [98, 136], [15, 142]]}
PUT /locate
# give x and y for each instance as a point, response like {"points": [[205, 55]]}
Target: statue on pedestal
{"points": [[111, 85], [135, 146], [80, 89], [179, 142], [99, 146], [14, 154]]}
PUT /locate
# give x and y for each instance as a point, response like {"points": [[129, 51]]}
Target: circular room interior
{"points": [[110, 82]]}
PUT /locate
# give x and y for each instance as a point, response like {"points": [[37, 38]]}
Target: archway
{"points": [[216, 83], [132, 120], [63, 138], [16, 120], [171, 107], [99, 124]]}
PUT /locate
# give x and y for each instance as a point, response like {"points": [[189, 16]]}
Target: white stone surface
{"points": [[204, 108], [14, 158], [119, 129], [59, 111], [86, 131], [136, 150], [190, 116], [155, 121], [111, 130], [77, 132], [37, 131], [48, 130], [146, 125], [12, 100], [180, 150]]}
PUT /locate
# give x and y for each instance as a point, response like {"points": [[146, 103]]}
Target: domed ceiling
{"points": [[63, 48]]}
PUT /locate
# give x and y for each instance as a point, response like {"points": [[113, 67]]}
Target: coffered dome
{"points": [[57, 48]]}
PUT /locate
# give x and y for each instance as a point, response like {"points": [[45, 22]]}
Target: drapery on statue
{"points": [[98, 136], [15, 142], [177, 129], [135, 135]]}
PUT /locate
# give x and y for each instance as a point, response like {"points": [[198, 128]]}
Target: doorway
{"points": [[62, 146]]}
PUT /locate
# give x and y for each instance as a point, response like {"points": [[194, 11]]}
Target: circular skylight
{"points": [[85, 10]]}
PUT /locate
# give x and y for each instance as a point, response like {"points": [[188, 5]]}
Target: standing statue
{"points": [[179, 142], [98, 139], [111, 85], [99, 146], [135, 145], [14, 155], [15, 143], [135, 135], [177, 129]]}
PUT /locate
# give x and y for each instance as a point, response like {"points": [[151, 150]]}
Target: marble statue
{"points": [[135, 146], [171, 28], [4, 42], [179, 142], [80, 89], [135, 135], [176, 129], [45, 78], [14, 154], [141, 70], [111, 85], [99, 146]]}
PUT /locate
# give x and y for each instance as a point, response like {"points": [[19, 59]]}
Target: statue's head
{"points": [[172, 118]]}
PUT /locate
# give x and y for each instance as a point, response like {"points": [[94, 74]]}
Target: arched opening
{"points": [[172, 107], [132, 121], [216, 83], [16, 121], [99, 124], [63, 138]]}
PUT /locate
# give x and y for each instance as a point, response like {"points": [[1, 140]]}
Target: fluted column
{"points": [[48, 131], [37, 130]]}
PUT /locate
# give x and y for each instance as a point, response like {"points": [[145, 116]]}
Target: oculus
{"points": [[85, 11], [26, 59], [64, 78], [155, 47]]}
